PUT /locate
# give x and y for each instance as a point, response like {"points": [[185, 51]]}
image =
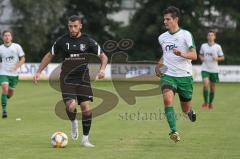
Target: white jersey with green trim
{"points": [[182, 40], [209, 52], [9, 58]]}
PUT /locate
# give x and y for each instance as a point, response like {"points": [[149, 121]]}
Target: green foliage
{"points": [[147, 24], [39, 23], [35, 22]]}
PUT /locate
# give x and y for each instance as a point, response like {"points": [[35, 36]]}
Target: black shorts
{"points": [[76, 87]]}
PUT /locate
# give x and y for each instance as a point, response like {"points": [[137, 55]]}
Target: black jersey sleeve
{"points": [[56, 47], [94, 47]]}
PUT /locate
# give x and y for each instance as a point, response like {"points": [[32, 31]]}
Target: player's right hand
{"points": [[202, 58], [101, 74], [177, 52], [36, 77], [157, 71]]}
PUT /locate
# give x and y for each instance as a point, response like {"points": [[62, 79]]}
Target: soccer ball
{"points": [[59, 140]]}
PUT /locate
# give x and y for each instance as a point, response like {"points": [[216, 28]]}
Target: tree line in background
{"points": [[38, 23]]}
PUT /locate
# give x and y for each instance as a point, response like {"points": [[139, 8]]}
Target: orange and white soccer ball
{"points": [[59, 140]]}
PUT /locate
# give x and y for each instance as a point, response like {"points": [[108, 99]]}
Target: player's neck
{"points": [[174, 30], [7, 44], [79, 34], [211, 43]]}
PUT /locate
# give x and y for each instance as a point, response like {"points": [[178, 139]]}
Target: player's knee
{"points": [[168, 98], [212, 87], [212, 90], [86, 111], [168, 101], [5, 89], [206, 85], [71, 105], [87, 114]]}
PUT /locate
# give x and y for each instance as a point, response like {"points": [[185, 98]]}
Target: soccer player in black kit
{"points": [[75, 48]]}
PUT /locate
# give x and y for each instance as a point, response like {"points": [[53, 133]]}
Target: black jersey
{"points": [[75, 53]]}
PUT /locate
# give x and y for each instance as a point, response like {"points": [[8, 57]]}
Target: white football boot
{"points": [[85, 142], [74, 129]]}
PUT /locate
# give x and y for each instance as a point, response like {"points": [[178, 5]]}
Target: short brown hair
{"points": [[6, 31], [211, 31], [174, 11], [74, 18]]}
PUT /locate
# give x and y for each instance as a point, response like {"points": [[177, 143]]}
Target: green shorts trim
{"points": [[11, 80], [213, 77], [182, 85]]}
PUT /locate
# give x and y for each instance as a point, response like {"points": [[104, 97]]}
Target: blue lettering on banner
{"points": [[31, 69], [130, 70]]}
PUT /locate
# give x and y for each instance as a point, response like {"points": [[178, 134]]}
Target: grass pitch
{"points": [[127, 132]]}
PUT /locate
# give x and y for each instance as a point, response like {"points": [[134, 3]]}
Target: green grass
{"points": [[215, 135]]}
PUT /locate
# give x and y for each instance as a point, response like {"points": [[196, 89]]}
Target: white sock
{"points": [[73, 122], [85, 138]]}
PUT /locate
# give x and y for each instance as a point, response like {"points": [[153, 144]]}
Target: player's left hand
{"points": [[177, 52], [215, 58], [14, 70], [101, 74]]}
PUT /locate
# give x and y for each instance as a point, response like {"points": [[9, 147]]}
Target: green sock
{"points": [[206, 95], [211, 97], [169, 112], [4, 102]]}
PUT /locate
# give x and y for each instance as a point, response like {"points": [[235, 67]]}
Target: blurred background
{"points": [[37, 24]]}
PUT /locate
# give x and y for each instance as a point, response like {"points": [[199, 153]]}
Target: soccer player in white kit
{"points": [[12, 57], [178, 50], [210, 54]]}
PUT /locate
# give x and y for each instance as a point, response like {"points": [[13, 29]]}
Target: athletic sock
{"points": [[169, 112], [86, 124], [71, 115], [206, 95], [85, 138], [211, 97], [4, 102]]}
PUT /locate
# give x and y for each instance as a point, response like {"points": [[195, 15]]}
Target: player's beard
{"points": [[75, 34]]}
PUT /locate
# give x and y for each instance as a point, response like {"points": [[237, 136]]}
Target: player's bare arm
{"points": [[191, 54], [219, 58], [19, 64], [158, 66], [104, 61], [201, 57], [45, 61]]}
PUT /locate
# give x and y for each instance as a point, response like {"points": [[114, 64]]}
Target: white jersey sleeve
{"points": [[20, 51], [189, 40], [201, 50], [220, 52]]}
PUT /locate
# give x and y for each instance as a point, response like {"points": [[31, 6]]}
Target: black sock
{"points": [[71, 115], [86, 123]]}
